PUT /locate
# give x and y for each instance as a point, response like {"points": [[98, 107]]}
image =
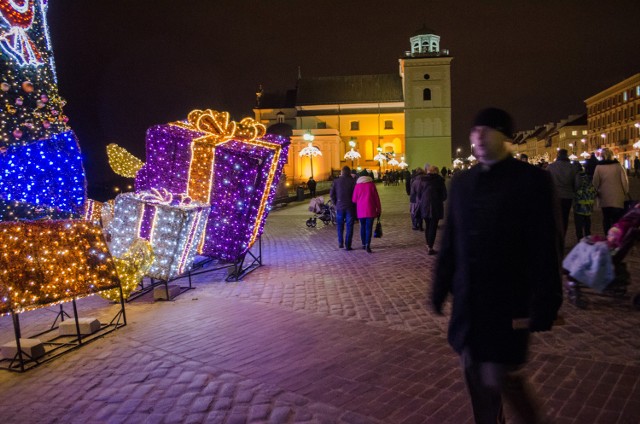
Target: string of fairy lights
{"points": [[48, 262], [30, 106], [205, 188]]}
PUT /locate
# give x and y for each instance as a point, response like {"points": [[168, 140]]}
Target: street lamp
{"points": [[458, 150], [352, 154], [310, 150], [380, 157]]}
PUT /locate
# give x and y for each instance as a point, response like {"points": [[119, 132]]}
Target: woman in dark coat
{"points": [[431, 197]]}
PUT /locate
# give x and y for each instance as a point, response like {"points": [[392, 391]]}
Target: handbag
{"points": [[377, 233]]}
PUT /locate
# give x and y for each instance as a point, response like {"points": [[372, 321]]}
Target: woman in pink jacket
{"points": [[365, 196]]}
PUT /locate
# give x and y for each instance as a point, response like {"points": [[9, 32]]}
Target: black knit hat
{"points": [[494, 118]]}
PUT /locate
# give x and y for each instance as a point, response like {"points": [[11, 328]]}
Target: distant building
{"points": [[405, 115], [613, 119], [543, 142]]}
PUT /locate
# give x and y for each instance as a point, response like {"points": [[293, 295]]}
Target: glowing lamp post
{"points": [[310, 150], [352, 154], [394, 162], [402, 163], [380, 158]]}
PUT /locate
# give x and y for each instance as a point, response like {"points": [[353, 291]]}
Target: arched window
{"points": [[280, 118], [427, 76], [426, 94]]}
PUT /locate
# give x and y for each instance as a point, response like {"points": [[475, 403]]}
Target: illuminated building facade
{"points": [[614, 119], [405, 115]]}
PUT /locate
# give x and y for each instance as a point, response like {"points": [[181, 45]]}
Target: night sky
{"points": [[125, 65]]}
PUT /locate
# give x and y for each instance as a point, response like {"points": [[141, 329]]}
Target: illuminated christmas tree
{"points": [[40, 162], [30, 106]]}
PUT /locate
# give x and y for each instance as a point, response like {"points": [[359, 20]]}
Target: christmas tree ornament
{"points": [[4, 86], [27, 86]]}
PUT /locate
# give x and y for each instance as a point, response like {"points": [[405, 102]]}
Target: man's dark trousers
{"points": [[345, 216]]}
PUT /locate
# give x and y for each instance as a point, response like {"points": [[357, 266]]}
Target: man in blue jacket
{"points": [[500, 260], [340, 194]]}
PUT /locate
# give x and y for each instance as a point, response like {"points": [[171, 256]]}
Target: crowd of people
{"points": [[501, 251]]}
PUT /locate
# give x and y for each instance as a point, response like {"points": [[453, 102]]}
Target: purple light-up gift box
{"points": [[236, 170]]}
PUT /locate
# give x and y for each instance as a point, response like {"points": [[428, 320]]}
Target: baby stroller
{"points": [[325, 212], [596, 267]]}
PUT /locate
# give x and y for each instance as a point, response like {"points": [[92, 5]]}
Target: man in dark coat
{"points": [[431, 196], [311, 184], [500, 259], [341, 193]]}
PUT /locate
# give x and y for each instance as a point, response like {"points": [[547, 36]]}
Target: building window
{"points": [[355, 125], [584, 132], [388, 125], [321, 125], [574, 133], [426, 94], [427, 76], [280, 118], [625, 96]]}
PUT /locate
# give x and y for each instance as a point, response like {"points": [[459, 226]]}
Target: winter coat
{"points": [[431, 196], [341, 192], [610, 180], [365, 196], [500, 259], [415, 188], [564, 175]]}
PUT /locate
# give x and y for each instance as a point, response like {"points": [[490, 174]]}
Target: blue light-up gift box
{"points": [[45, 173]]}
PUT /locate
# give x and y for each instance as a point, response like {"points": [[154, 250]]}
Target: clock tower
{"points": [[426, 83]]}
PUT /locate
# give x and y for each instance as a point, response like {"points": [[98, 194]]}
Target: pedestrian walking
{"points": [[431, 196], [500, 260], [414, 207], [583, 205], [341, 195], [564, 174], [311, 185], [636, 166], [611, 182], [365, 196]]}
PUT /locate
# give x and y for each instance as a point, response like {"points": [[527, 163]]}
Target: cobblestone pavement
{"points": [[316, 335]]}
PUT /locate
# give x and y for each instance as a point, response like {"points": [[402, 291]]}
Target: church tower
{"points": [[426, 83]]}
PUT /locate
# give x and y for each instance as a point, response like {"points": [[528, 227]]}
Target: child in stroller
{"points": [[596, 264], [326, 212]]}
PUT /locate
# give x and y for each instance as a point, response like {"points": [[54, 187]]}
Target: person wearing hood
{"points": [[365, 196], [611, 182], [431, 196]]}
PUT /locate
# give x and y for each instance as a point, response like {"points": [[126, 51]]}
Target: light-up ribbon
{"points": [[217, 129], [162, 196]]}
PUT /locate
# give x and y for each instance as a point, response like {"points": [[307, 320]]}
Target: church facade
{"points": [[404, 116]]}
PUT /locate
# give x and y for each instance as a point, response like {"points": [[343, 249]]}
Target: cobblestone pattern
{"points": [[316, 335]]}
